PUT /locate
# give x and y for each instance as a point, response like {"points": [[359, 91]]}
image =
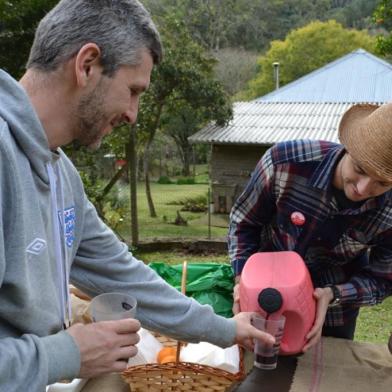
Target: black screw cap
{"points": [[270, 300]]}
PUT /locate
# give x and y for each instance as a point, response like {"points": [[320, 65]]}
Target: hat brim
{"points": [[350, 128]]}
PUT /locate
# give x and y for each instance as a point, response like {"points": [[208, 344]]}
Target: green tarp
{"points": [[207, 283]]}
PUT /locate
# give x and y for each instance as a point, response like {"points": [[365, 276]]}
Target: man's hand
{"points": [[246, 332], [323, 297], [105, 346]]}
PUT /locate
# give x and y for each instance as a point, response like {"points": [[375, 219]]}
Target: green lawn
{"points": [[164, 195], [375, 323], [178, 257]]}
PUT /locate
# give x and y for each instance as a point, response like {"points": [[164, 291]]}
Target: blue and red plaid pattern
{"points": [[351, 247]]}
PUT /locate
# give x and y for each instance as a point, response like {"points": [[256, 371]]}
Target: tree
{"points": [[358, 13], [181, 123], [251, 25], [208, 21], [183, 86], [383, 17], [234, 68], [305, 50], [18, 20]]}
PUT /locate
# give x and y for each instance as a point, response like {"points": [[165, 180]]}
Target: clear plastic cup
{"points": [[112, 306], [266, 356]]}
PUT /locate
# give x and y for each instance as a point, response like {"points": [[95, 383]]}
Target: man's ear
{"points": [[87, 64]]}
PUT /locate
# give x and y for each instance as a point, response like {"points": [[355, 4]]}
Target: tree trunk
{"points": [[193, 162], [186, 163], [132, 176], [154, 128], [150, 202], [139, 168], [111, 183], [185, 151], [146, 160]]}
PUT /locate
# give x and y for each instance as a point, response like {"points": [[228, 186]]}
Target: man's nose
{"points": [[130, 115]]}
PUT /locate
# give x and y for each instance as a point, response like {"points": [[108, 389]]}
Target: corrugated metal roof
{"points": [[266, 123], [308, 108], [356, 77]]}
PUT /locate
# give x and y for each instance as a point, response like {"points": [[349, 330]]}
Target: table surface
{"points": [[277, 380]]}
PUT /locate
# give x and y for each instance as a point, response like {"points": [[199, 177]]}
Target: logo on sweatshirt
{"points": [[69, 221], [36, 247]]}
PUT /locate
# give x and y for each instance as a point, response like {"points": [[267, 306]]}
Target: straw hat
{"points": [[366, 132]]}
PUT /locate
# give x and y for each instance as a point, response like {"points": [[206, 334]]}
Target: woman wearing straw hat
{"points": [[332, 204]]}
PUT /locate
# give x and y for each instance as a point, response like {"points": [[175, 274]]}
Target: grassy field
{"points": [[166, 199], [374, 323]]}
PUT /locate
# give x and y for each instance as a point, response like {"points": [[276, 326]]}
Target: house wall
{"points": [[231, 167]]}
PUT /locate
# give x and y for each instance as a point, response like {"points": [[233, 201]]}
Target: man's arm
{"points": [[30, 362], [105, 264]]}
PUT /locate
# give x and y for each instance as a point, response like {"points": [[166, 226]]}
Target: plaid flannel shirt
{"points": [[351, 248]]}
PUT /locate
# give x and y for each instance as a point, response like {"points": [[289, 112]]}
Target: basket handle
{"points": [[183, 278], [183, 291]]}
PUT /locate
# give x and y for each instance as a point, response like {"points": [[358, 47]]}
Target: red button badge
{"points": [[298, 218]]}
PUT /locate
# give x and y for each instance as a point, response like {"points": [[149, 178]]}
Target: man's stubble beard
{"points": [[91, 118]]}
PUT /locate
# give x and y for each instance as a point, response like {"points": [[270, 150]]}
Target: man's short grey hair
{"points": [[121, 28]]}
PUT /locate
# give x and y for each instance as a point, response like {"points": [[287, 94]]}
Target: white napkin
{"points": [[148, 348], [208, 354], [75, 386]]}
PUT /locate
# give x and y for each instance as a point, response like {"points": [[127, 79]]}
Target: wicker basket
{"points": [[180, 376]]}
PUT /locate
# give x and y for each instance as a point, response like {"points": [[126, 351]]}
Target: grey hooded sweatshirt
{"points": [[50, 235]]}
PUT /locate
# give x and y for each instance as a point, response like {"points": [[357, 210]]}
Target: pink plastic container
{"points": [[274, 283]]}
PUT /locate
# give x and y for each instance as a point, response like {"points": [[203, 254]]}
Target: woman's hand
{"points": [[323, 297], [236, 299]]}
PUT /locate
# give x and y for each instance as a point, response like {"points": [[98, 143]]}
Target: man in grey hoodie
{"points": [[88, 65]]}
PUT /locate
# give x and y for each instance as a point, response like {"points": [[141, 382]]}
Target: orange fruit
{"points": [[165, 353], [168, 358]]}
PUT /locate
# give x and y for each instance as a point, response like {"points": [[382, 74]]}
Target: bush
{"points": [[164, 180], [186, 181], [197, 204], [113, 216]]}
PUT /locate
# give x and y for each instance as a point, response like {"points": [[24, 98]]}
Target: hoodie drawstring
{"points": [[58, 221]]}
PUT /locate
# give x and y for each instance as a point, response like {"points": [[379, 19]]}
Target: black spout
{"points": [[270, 300]]}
